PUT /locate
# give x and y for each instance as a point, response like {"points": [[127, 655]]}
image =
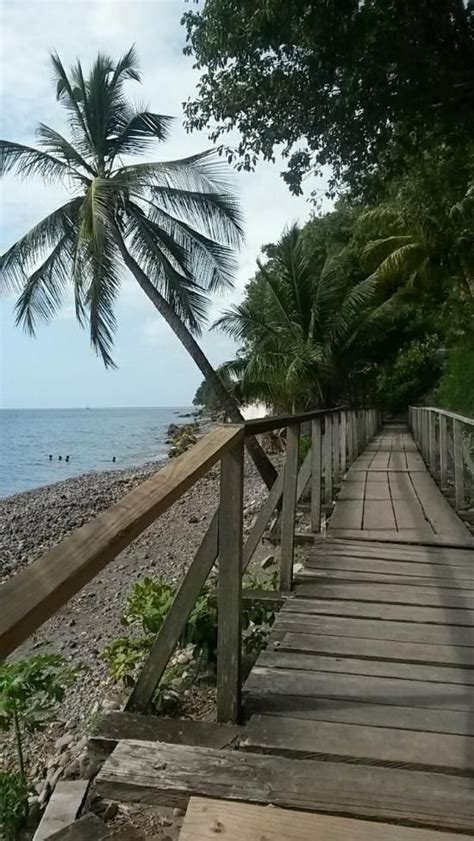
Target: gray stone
{"points": [[268, 561], [63, 741]]}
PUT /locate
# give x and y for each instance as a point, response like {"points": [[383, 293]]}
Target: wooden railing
{"points": [[446, 441], [32, 596]]}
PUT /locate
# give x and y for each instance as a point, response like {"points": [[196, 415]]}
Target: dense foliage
{"points": [[350, 84]]}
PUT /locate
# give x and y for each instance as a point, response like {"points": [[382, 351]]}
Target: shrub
{"points": [[13, 805]]}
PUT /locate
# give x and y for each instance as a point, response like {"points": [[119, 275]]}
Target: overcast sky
{"points": [[58, 368]]}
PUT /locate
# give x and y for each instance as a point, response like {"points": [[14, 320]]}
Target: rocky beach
{"points": [[33, 522]]}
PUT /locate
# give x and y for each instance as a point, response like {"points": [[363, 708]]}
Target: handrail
{"points": [[443, 440], [261, 425], [33, 595], [448, 414]]}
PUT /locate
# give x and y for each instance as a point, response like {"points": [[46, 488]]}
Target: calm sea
{"points": [[90, 437]]}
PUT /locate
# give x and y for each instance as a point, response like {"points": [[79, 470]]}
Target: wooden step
{"points": [[208, 819], [171, 774], [367, 745], [111, 727]]}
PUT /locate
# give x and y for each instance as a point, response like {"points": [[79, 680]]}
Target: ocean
{"points": [[90, 437]]}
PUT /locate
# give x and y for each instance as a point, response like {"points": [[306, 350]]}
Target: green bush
{"points": [[456, 390], [13, 805], [147, 607]]}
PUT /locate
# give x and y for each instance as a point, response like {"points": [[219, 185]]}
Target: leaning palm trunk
{"points": [[227, 400]]}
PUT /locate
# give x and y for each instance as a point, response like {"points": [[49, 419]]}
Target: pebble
{"points": [[63, 741]]}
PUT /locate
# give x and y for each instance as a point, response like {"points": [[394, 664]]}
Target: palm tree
{"points": [[298, 327], [173, 224]]}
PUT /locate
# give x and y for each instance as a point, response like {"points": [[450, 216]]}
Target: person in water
{"points": [[67, 458], [114, 459], [50, 457], [60, 458]]}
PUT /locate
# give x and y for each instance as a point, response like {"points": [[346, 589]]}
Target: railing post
{"points": [[431, 442], [458, 464], [336, 447], [355, 448], [316, 475], [327, 449], [443, 451], [343, 441], [288, 513], [230, 584]]}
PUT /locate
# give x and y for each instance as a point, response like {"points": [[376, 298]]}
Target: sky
{"points": [[59, 369]]}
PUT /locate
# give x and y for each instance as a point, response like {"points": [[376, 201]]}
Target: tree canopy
{"points": [[356, 85]]}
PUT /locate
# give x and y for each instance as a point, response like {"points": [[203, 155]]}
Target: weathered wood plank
{"points": [[289, 508], [462, 576], [316, 469], [229, 590], [88, 828], [248, 822], [265, 701], [378, 514], [154, 774], [393, 551], [371, 610], [362, 745], [458, 465], [111, 727], [328, 575], [35, 593], [406, 537], [372, 690], [263, 517], [175, 622], [312, 662], [392, 594], [62, 808], [304, 622], [373, 649], [347, 514]]}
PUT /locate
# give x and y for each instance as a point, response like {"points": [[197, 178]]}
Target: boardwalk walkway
{"points": [[359, 715], [370, 666]]}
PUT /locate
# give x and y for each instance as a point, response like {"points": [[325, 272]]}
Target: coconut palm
{"points": [[298, 326], [173, 224]]}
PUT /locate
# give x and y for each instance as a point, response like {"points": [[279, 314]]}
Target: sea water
{"points": [[90, 437]]}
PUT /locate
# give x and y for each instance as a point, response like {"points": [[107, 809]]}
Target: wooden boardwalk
{"points": [[359, 714], [370, 666]]}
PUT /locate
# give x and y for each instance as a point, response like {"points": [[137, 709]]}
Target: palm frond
{"points": [[242, 322], [203, 172], [375, 251], [217, 214], [21, 259], [71, 95], [57, 145], [134, 131], [43, 291], [26, 161], [400, 264], [126, 68]]}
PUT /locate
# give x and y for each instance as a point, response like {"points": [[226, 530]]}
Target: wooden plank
{"points": [[327, 457], [263, 517], [289, 508], [372, 690], [378, 514], [336, 448], [409, 515], [306, 622], [171, 774], [443, 451], [393, 551], [63, 807], [34, 594], [459, 576], [343, 441], [458, 465], [391, 594], [352, 490], [111, 727], [298, 738], [374, 649], [264, 701], [395, 612], [377, 490], [334, 576], [229, 590], [347, 514], [316, 467], [312, 662], [260, 425], [175, 621], [408, 536], [248, 822], [440, 514], [88, 828]]}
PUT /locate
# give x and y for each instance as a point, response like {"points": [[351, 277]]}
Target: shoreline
{"points": [[34, 521]]}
